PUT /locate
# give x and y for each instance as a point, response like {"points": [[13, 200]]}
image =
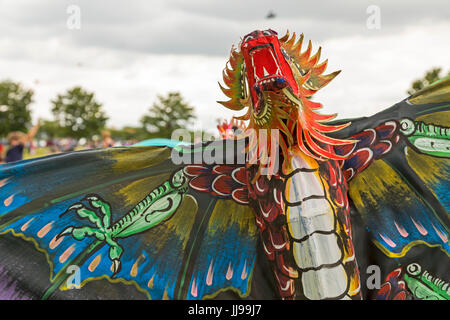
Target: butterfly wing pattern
{"points": [[398, 177], [63, 218]]}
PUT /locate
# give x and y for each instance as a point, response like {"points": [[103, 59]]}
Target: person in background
{"points": [[107, 141], [17, 140]]}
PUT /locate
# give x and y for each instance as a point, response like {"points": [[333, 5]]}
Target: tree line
{"points": [[78, 114]]}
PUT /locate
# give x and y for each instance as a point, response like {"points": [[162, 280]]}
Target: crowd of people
{"points": [[13, 148]]}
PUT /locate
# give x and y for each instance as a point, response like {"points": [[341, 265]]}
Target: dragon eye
{"points": [[267, 33]]}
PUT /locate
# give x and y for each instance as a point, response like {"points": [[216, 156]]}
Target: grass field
{"points": [[40, 152]]}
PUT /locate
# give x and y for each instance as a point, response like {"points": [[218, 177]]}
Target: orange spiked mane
{"points": [[293, 113]]}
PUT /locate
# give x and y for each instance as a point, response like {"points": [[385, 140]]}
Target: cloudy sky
{"points": [[130, 51]]}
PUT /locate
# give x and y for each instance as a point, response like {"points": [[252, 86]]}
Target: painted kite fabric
{"points": [[349, 196]]}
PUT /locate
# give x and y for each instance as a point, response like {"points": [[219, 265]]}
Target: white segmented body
{"points": [[312, 226], [306, 251], [324, 283], [310, 216]]}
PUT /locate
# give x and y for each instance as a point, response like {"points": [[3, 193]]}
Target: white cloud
{"points": [[129, 54], [377, 71]]}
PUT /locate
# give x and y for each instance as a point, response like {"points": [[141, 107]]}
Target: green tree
{"points": [[168, 114], [15, 114], [78, 113], [50, 129], [431, 76], [129, 133]]}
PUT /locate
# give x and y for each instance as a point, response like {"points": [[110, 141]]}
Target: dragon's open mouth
{"points": [[269, 72], [267, 68]]}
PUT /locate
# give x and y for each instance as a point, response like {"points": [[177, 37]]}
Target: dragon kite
{"points": [[293, 205]]}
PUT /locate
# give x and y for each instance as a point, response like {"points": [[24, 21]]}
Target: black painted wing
{"points": [[206, 247], [399, 182]]}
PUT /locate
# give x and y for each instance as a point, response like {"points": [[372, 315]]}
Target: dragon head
{"points": [[274, 80]]}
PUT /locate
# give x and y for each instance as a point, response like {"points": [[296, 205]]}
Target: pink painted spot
{"points": [[8, 200], [66, 254], [3, 182], [26, 225], [55, 242], [244, 271], [135, 268], [440, 234], [45, 230], [419, 227], [93, 265], [150, 282], [229, 274], [194, 289], [209, 277], [388, 241], [402, 230]]}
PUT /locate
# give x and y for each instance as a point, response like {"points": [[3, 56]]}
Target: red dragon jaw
{"points": [[275, 80], [267, 69]]}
